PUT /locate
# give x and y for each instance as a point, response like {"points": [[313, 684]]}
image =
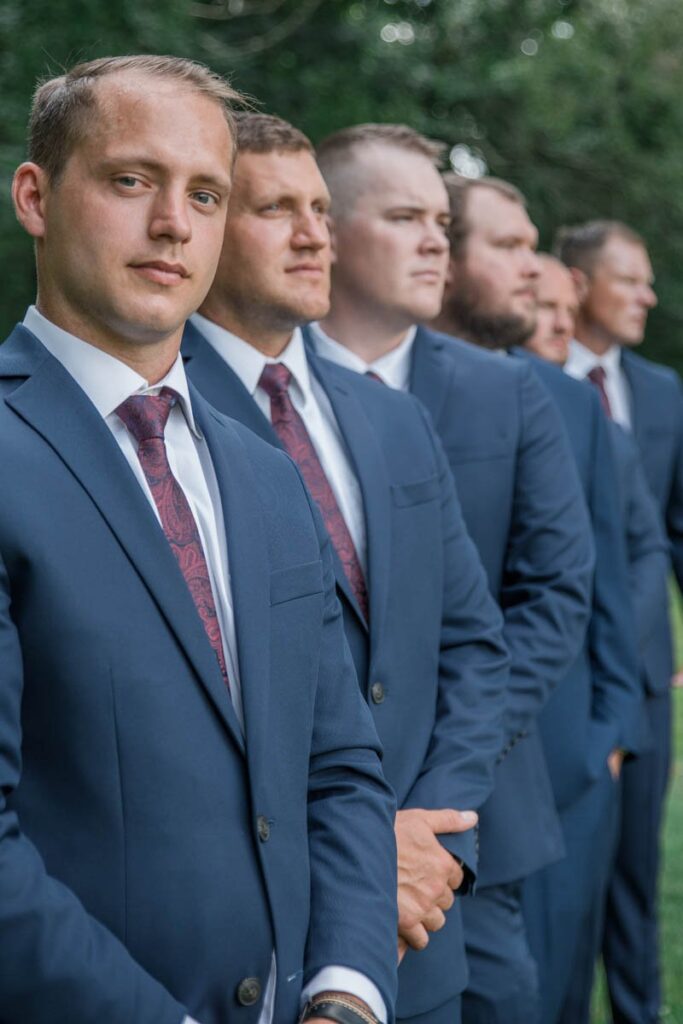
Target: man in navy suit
{"points": [[193, 819], [565, 920], [519, 492], [614, 277], [425, 635]]}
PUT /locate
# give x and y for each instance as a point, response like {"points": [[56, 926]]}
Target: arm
{"points": [[473, 677], [674, 509], [353, 916], [545, 594], [56, 961], [617, 691], [647, 547]]}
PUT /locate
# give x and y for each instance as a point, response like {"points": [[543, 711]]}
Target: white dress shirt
{"points": [[581, 361], [313, 406], [108, 382], [393, 368]]}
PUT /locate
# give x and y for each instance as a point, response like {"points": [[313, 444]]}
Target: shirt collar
{"points": [[106, 380], [393, 367], [248, 362], [581, 360]]}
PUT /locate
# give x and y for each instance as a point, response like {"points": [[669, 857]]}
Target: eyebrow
{"points": [[114, 162]]}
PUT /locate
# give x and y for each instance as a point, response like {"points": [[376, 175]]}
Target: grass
{"points": [[671, 889]]}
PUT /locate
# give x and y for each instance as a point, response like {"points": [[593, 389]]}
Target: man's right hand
{"points": [[427, 873]]}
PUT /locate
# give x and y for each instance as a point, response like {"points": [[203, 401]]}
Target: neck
{"points": [[151, 358], [366, 332], [268, 338], [593, 337]]}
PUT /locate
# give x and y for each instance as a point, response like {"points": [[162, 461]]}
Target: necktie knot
{"points": [[374, 376], [597, 375], [275, 379], [146, 416]]}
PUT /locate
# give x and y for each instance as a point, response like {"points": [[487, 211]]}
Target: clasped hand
{"points": [[428, 875]]}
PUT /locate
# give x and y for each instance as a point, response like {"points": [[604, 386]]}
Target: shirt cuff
{"points": [[344, 979]]}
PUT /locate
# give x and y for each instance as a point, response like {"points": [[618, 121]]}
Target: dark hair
{"points": [[459, 188], [580, 245], [62, 106], [265, 133]]}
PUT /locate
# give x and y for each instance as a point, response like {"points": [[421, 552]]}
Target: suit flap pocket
{"points": [[417, 493], [296, 581]]}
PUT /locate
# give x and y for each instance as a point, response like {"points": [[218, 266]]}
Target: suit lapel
{"points": [[370, 467], [644, 413], [221, 387], [249, 568], [430, 376], [55, 407]]}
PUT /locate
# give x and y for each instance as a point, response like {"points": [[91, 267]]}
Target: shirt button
{"points": [[248, 991], [377, 693], [263, 828]]}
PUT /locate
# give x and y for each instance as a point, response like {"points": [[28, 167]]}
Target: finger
{"points": [[446, 899], [416, 937], [449, 820], [434, 920], [402, 948], [455, 874]]}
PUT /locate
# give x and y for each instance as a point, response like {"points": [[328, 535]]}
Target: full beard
{"points": [[466, 311]]}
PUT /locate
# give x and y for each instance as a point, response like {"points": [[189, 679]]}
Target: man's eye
{"points": [[127, 180], [205, 198]]}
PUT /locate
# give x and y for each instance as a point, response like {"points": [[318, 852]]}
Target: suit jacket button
{"points": [[377, 693], [248, 991], [263, 829]]}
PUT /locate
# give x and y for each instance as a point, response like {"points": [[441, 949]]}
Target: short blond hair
{"points": [[62, 107]]}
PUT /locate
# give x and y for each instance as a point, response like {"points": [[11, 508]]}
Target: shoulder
{"points": [[661, 377], [490, 366]]}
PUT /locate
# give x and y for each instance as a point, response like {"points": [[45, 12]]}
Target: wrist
{"points": [[338, 1006]]}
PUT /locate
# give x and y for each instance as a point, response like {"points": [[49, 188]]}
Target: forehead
{"points": [[391, 176], [622, 256], [280, 172], [492, 215], [161, 120], [555, 283]]}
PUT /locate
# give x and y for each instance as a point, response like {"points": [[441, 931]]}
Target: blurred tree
{"points": [[576, 101]]}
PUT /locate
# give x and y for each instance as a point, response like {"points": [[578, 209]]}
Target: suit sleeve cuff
{"points": [[344, 979]]}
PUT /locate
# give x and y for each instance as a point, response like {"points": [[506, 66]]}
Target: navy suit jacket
{"points": [[657, 423], [434, 643], [524, 509], [597, 706], [151, 855]]}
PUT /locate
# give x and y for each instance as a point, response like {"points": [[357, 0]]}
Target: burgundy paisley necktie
{"points": [[597, 377], [145, 417], [292, 432]]}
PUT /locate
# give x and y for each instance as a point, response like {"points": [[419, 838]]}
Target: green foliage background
{"points": [[576, 101]]}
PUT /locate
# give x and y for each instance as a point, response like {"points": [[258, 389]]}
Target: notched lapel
{"points": [[53, 404], [431, 372], [249, 572]]}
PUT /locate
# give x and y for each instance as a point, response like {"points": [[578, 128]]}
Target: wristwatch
{"points": [[337, 1008]]}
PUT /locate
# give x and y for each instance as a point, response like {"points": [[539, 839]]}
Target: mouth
{"points": [[160, 272], [428, 276], [307, 269]]}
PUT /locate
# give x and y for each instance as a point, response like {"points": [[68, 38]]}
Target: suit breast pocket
{"points": [[296, 581], [418, 493]]}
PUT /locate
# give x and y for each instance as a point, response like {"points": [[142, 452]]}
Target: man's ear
{"points": [[29, 192], [581, 283]]}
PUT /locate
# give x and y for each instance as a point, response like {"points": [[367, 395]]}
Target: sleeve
{"points": [[57, 962], [674, 509], [647, 546], [546, 590], [473, 677], [351, 809], [612, 643]]}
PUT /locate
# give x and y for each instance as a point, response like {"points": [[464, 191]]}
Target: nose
{"points": [[311, 231], [531, 264], [170, 216], [648, 297], [434, 239]]}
